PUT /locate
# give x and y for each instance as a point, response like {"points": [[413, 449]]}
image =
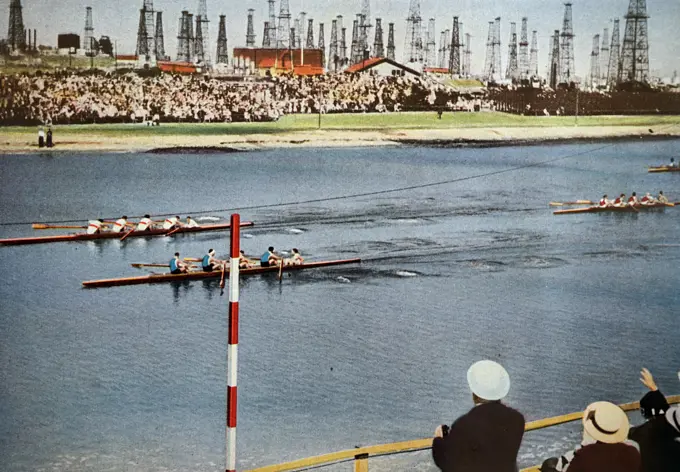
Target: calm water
{"points": [[133, 378]]}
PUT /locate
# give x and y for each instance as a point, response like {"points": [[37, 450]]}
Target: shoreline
{"points": [[22, 142]]}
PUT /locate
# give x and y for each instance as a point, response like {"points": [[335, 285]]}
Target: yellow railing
{"points": [[361, 455]]}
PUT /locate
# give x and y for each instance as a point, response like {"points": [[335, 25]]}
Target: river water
{"points": [[133, 378]]}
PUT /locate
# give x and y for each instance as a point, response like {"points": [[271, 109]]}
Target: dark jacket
{"points": [[659, 445], [486, 439], [602, 457]]}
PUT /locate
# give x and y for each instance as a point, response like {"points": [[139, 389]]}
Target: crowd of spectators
{"points": [[488, 437], [68, 98]]}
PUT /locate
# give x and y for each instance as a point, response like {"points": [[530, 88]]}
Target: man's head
{"points": [[488, 381], [605, 422]]}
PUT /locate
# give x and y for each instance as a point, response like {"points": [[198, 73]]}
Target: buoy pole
{"points": [[232, 347]]}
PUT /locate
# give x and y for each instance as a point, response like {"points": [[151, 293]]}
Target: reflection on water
{"points": [[134, 377]]}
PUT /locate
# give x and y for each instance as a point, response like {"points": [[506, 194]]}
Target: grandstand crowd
{"points": [[66, 97]]}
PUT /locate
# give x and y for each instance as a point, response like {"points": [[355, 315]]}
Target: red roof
{"points": [[127, 57], [359, 66]]}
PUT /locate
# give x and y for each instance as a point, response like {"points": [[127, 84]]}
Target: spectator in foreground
{"points": [[604, 446], [659, 436], [487, 438]]}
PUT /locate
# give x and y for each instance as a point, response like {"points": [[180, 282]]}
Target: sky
{"points": [[119, 19]]}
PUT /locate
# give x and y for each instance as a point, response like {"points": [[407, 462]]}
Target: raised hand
{"points": [[647, 380]]}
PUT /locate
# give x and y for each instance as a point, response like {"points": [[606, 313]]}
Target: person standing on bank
{"points": [[49, 137], [41, 137], [488, 437]]}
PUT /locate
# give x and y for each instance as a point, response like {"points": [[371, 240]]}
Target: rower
{"points": [[620, 201], [120, 224], [672, 164], [191, 223], [647, 199], [210, 263], [171, 223], [145, 224], [244, 262], [661, 198], [177, 266], [95, 226], [605, 202], [296, 258], [633, 200], [269, 258]]}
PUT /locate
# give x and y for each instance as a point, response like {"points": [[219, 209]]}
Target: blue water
{"points": [[134, 378]]}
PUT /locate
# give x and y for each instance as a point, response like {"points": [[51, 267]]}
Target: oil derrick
{"points": [[222, 53], [595, 62], [265, 35], [291, 39], [250, 30], [604, 56], [271, 42], [355, 53], [343, 46], [567, 71], [16, 38], [183, 49], [524, 51], [488, 59], [89, 36], [192, 38], [159, 39], [310, 35], [365, 28], [333, 52], [146, 47], [295, 38], [614, 67], [283, 30], [141, 51], [431, 45], [497, 49], [322, 44], [203, 13], [462, 44], [378, 45], [512, 71], [466, 56], [548, 67], [635, 51], [442, 49], [390, 41], [454, 60], [554, 76], [413, 42], [199, 52], [533, 59], [300, 30]]}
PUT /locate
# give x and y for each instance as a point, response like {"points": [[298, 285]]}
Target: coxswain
{"points": [[210, 263], [672, 164], [296, 258], [647, 199], [269, 258], [177, 266], [191, 223], [171, 223], [145, 224], [244, 262], [620, 201], [633, 200], [95, 226], [120, 224], [661, 198], [604, 201]]}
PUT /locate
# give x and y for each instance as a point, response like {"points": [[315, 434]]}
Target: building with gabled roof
{"points": [[382, 66]]}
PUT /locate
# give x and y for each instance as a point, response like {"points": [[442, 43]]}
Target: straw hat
{"points": [[606, 422], [488, 380]]}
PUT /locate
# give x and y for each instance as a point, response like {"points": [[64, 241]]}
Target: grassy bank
{"points": [[354, 122]]}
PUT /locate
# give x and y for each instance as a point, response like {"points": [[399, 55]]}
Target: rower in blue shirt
{"points": [[177, 266], [269, 258], [210, 263]]}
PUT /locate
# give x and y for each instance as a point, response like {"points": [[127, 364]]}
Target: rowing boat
{"points": [[200, 275], [111, 235], [626, 209], [663, 169]]}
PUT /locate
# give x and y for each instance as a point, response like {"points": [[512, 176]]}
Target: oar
{"points": [[224, 266], [127, 234], [173, 231], [281, 270], [138, 265], [577, 202], [193, 259], [46, 226]]}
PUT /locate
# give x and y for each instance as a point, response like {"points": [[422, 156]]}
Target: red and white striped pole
{"points": [[232, 349]]}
